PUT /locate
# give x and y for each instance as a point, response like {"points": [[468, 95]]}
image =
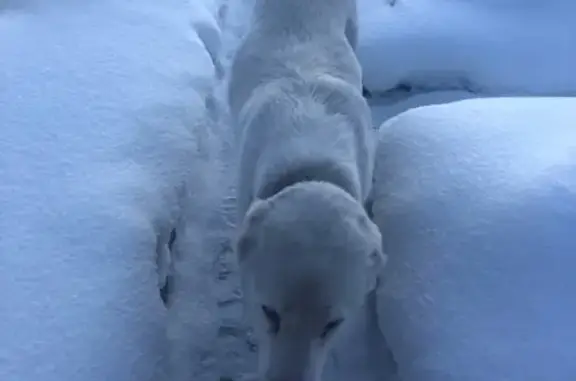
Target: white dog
{"points": [[308, 252]]}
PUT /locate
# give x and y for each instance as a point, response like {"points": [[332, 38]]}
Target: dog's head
{"points": [[309, 255]]}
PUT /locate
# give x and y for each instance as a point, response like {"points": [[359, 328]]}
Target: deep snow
{"points": [[106, 147], [476, 201], [515, 47], [115, 136]]}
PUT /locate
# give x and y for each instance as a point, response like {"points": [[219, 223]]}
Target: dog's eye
{"points": [[273, 319], [330, 328]]}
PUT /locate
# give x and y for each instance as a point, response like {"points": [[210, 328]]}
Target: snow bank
{"points": [[486, 46], [389, 106], [103, 153], [476, 201]]}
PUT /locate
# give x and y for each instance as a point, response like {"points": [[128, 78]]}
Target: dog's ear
{"points": [[247, 239]]}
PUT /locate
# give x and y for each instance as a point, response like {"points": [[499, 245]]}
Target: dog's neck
{"points": [[319, 171]]}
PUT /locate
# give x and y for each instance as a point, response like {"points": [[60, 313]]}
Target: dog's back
{"points": [[296, 39], [303, 131], [295, 94]]}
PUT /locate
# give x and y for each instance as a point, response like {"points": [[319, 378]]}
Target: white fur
{"points": [[306, 247]]}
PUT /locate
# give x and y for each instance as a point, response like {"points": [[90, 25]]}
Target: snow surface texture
{"points": [[476, 201], [482, 46], [107, 149]]}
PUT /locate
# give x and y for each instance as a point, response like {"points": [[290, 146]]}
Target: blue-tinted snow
{"points": [[515, 47], [104, 151], [476, 201]]}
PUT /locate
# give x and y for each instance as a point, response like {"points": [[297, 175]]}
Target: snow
{"points": [[385, 107], [476, 201], [115, 140], [105, 149], [491, 47]]}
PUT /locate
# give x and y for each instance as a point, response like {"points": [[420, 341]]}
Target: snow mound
{"points": [[476, 201], [385, 108], [486, 46], [104, 152]]}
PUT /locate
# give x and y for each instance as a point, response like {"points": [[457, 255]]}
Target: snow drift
{"points": [[483, 46], [476, 201], [104, 150]]}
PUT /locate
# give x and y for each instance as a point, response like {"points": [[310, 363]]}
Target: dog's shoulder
{"points": [[306, 129]]}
